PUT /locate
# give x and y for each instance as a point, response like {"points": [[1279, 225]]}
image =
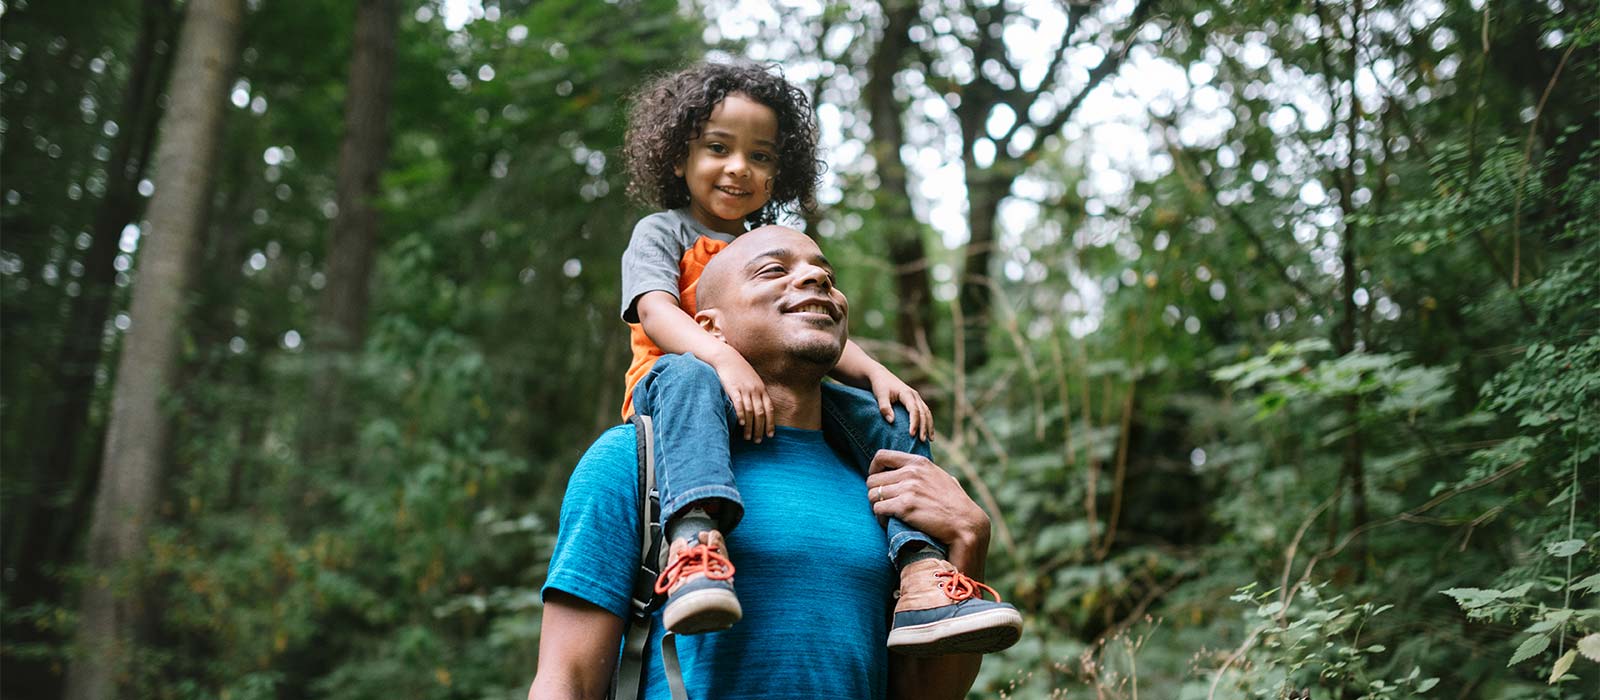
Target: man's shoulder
{"points": [[615, 450]]}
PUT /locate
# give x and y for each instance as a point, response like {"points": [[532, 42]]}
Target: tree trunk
{"points": [[38, 543], [72, 388], [133, 466], [984, 192], [1353, 466], [892, 198], [341, 322]]}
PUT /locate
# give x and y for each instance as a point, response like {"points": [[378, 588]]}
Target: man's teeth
{"points": [[813, 309]]}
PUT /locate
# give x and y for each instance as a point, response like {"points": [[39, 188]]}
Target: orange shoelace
{"points": [[699, 559], [959, 586]]}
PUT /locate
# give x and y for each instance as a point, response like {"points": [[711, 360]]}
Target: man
{"points": [[815, 580]]}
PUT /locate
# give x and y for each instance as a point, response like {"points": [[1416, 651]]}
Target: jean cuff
{"points": [[732, 508], [900, 540]]}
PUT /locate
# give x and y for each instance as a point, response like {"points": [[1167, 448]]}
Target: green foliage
{"points": [[1174, 418], [1313, 644]]}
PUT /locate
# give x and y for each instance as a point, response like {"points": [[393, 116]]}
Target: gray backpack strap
{"points": [[628, 683]]}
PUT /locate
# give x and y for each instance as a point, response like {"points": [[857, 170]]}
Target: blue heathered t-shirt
{"points": [[812, 570]]}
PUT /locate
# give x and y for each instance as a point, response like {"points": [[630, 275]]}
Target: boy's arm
{"points": [[859, 370], [672, 330]]}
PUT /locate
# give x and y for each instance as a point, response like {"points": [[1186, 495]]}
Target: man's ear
{"points": [[710, 321]]}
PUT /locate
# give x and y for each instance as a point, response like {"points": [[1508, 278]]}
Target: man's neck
{"points": [[796, 406]]}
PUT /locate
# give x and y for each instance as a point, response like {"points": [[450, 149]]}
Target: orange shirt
{"points": [[645, 352]]}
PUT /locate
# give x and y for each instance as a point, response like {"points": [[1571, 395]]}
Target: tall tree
{"points": [[134, 466], [44, 526], [990, 79], [907, 254], [341, 323]]}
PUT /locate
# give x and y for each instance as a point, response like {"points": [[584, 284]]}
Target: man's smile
{"points": [[815, 307]]}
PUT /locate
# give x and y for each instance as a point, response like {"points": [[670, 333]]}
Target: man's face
{"points": [[778, 300]]}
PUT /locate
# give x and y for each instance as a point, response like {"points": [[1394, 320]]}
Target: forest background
{"points": [[1265, 330]]}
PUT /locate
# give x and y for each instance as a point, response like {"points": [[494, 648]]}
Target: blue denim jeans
{"points": [[695, 422]]}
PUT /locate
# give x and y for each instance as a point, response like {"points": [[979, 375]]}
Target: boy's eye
{"points": [[762, 157], [717, 148]]}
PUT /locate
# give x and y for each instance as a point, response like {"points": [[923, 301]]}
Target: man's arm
{"points": [[578, 646], [920, 493]]}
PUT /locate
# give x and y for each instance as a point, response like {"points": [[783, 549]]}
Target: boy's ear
{"points": [[678, 168], [711, 322]]}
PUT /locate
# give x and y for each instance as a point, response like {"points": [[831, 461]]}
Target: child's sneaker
{"points": [[941, 611], [698, 583]]}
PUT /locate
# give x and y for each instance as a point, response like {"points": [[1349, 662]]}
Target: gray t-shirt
{"points": [[651, 261]]}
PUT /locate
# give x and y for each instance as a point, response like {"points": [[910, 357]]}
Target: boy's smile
{"points": [[730, 166]]}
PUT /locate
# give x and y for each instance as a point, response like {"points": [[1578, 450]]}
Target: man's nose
{"points": [[809, 275]]}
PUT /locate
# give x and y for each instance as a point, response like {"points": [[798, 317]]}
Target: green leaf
{"points": [[1529, 648], [1517, 592], [1589, 583], [1427, 684], [1564, 548], [1551, 621], [1469, 598]]}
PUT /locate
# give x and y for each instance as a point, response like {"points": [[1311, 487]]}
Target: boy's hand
{"points": [[888, 389], [748, 393]]}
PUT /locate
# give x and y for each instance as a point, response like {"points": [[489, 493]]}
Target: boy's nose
{"points": [[738, 165]]}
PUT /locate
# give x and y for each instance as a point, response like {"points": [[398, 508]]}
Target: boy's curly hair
{"points": [[670, 111]]}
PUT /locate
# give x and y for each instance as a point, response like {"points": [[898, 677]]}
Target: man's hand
{"points": [[919, 492], [889, 389], [747, 392]]}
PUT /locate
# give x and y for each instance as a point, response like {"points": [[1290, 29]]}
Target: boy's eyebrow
{"points": [[719, 133]]}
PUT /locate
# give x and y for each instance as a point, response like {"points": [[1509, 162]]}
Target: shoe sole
{"points": [[698, 612], [979, 633]]}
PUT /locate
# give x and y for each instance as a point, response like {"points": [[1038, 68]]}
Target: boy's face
{"points": [[731, 165]]}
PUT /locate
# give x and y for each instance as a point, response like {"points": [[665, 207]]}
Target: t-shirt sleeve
{"points": [[597, 548], [651, 261]]}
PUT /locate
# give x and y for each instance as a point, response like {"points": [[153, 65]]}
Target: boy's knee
{"points": [[685, 373], [688, 368]]}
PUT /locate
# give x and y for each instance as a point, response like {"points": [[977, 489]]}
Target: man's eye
{"points": [[772, 270]]}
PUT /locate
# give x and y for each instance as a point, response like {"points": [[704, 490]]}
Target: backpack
{"points": [[627, 682]]}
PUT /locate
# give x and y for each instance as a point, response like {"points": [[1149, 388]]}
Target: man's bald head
{"points": [[724, 266], [770, 295]]}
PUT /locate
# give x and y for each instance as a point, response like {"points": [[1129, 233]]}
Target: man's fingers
{"points": [[889, 460], [896, 506]]}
